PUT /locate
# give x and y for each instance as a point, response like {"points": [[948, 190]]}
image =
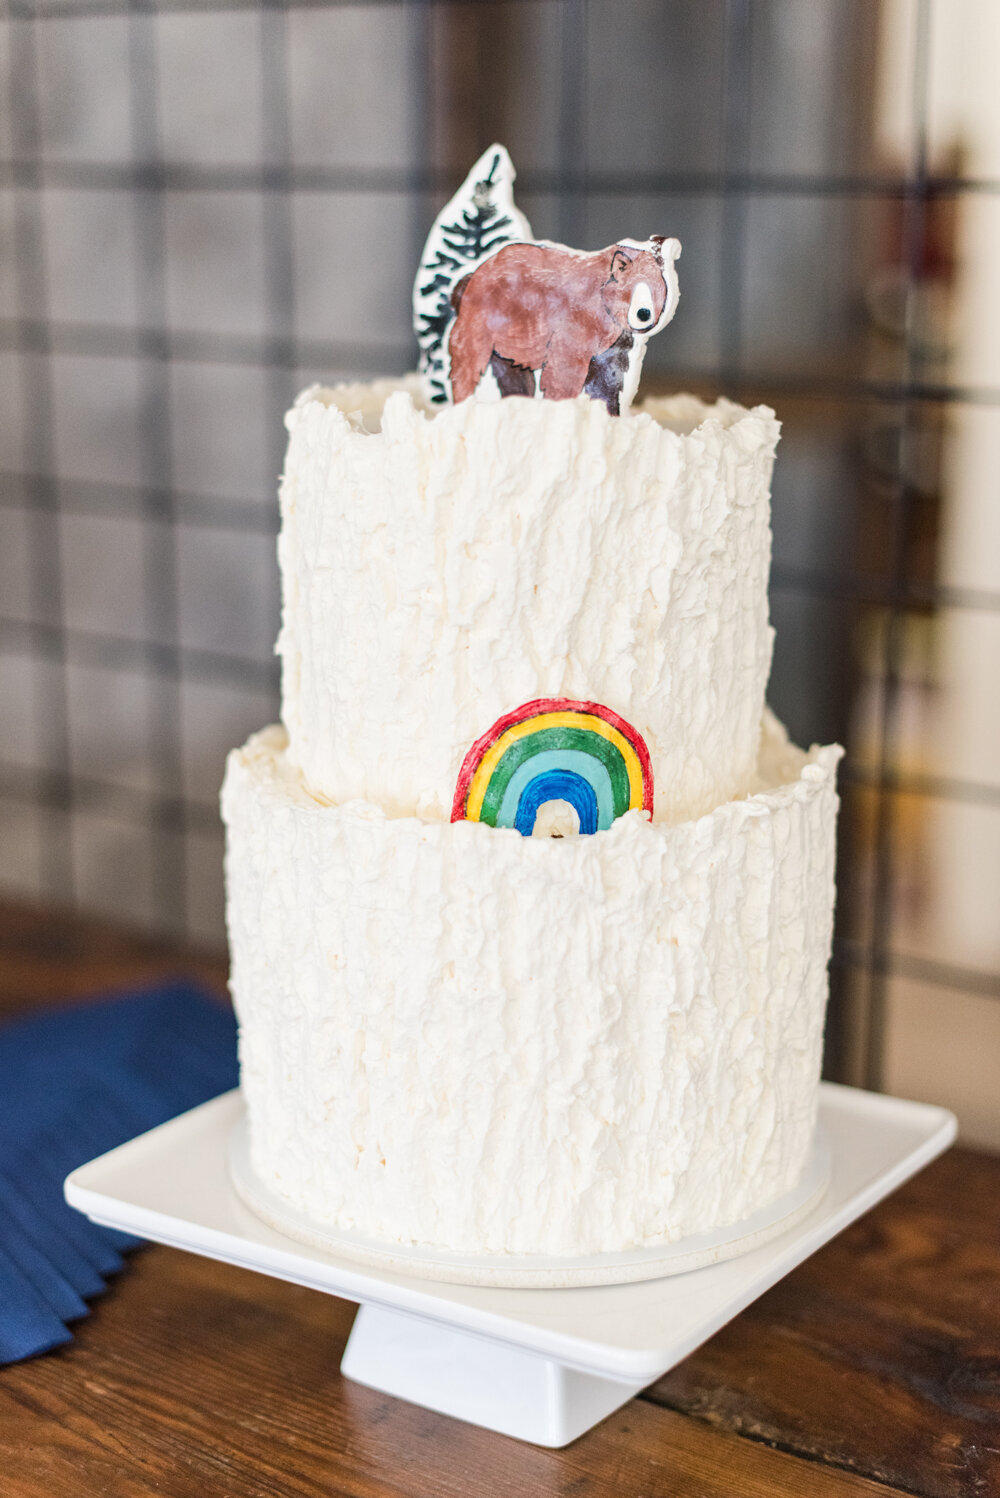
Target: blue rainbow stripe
{"points": [[574, 761], [557, 785]]}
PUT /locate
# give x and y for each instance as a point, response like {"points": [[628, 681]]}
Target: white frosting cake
{"points": [[455, 1035], [448, 569]]}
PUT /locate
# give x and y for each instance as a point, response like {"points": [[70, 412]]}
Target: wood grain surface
{"points": [[873, 1369], [881, 1353], [53, 956], [195, 1378]]}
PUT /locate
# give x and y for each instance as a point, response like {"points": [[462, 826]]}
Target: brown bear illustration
{"points": [[579, 320]]}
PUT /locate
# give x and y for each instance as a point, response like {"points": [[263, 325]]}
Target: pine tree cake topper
{"points": [[478, 220], [499, 313]]}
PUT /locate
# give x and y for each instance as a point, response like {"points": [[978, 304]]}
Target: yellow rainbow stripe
{"points": [[481, 778]]}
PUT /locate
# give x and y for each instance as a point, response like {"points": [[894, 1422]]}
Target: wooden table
{"points": [[873, 1369]]}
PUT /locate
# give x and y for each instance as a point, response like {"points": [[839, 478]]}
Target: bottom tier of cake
{"points": [[457, 1036]]}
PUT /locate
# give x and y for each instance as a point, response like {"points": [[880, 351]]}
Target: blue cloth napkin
{"points": [[74, 1083]]}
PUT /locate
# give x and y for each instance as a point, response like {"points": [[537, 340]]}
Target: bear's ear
{"points": [[620, 262]]}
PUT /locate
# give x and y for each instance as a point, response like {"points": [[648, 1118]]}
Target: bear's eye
{"points": [[644, 314]]}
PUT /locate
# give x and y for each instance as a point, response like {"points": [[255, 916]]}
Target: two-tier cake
{"points": [[529, 898]]}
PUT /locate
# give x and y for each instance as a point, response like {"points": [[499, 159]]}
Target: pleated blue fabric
{"points": [[75, 1082]]}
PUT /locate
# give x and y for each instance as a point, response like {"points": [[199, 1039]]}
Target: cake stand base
{"points": [[540, 1364], [486, 1383]]}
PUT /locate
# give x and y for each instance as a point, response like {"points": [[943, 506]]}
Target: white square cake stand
{"points": [[542, 1365]]}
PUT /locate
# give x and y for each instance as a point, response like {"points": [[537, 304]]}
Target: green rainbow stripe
{"points": [[553, 740]]}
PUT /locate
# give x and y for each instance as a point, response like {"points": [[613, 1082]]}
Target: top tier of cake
{"points": [[440, 570]]}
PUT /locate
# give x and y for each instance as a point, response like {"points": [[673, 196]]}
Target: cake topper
{"points": [[555, 749], [498, 313]]}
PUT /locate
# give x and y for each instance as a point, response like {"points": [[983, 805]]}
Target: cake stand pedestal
{"points": [[486, 1383], [540, 1364]]}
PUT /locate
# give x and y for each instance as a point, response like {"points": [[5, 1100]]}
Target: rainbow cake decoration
{"points": [[555, 749]]}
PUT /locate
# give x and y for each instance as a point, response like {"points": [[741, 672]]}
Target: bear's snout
{"points": [[641, 315]]}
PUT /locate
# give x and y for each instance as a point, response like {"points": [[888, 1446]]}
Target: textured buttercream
{"points": [[441, 570], [455, 1035]]}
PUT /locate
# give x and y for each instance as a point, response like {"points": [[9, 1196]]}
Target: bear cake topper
{"points": [[497, 312]]}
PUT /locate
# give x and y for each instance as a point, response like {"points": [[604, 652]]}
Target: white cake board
{"points": [[535, 1271], [541, 1364]]}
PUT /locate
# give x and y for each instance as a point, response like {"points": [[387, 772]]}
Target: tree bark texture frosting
{"points": [[440, 571], [455, 1035]]}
